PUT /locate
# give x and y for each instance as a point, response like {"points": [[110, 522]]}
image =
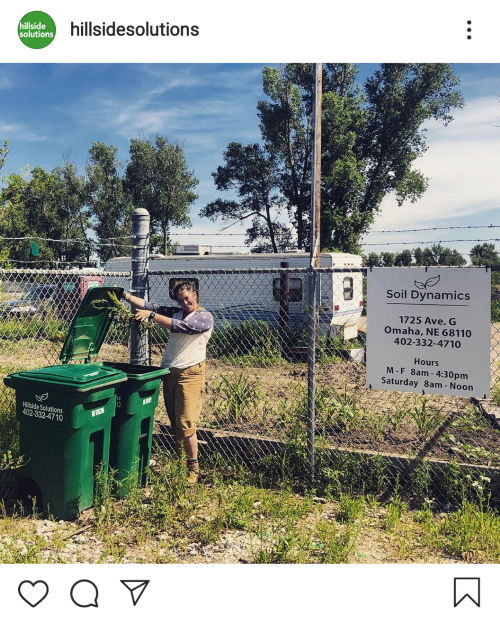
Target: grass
{"points": [[235, 398], [166, 522]]}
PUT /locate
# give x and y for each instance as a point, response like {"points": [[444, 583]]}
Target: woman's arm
{"points": [[164, 321], [135, 302]]}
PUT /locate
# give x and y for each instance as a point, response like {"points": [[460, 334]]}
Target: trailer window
{"points": [[348, 289], [295, 290], [173, 282]]}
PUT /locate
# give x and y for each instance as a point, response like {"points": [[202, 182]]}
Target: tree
{"points": [[72, 210], [281, 234], [387, 259], [438, 256], [286, 129], [371, 137], [373, 260], [484, 255], [157, 178], [388, 137], [41, 204], [250, 172], [403, 259], [110, 210], [4, 151], [418, 256]]}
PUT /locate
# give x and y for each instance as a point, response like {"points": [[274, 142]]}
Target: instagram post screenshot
{"points": [[249, 310]]}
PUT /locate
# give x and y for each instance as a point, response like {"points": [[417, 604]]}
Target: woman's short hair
{"points": [[187, 286]]}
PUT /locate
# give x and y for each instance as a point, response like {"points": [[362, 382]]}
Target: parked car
{"points": [[29, 303]]}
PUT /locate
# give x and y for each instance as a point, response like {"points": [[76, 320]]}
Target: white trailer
{"points": [[239, 296]]}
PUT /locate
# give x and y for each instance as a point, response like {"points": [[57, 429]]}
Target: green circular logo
{"points": [[36, 29]]}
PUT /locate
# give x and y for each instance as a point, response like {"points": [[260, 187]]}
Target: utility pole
{"points": [[316, 167], [313, 274]]}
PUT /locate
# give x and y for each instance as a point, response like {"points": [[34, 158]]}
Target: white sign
{"points": [[428, 331]]}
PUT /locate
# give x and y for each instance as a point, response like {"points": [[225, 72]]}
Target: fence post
{"points": [[311, 371], [284, 300], [138, 342]]}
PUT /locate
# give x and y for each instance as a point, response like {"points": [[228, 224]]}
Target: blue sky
{"points": [[48, 109]]}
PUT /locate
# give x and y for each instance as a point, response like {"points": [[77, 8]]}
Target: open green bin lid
{"points": [[90, 325]]}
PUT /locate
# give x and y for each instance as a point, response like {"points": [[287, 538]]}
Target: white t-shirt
{"points": [[187, 344]]}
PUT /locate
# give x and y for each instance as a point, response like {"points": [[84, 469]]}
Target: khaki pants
{"points": [[183, 392]]}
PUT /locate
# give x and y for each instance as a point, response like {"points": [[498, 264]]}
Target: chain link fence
{"points": [[266, 403]]}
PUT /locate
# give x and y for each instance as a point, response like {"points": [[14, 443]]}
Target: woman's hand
{"points": [[142, 315]]}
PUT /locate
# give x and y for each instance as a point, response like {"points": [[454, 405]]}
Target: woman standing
{"points": [[190, 329]]}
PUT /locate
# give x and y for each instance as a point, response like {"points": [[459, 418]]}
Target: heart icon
{"points": [[33, 593]]}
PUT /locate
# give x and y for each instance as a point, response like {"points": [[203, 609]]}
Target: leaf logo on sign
{"points": [[430, 282], [42, 397]]}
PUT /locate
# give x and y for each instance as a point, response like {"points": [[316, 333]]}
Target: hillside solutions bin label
{"points": [[428, 331]]}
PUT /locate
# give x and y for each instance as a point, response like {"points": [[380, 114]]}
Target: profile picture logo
{"points": [[36, 29]]}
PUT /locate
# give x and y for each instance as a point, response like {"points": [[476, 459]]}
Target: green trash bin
{"points": [[132, 426], [65, 413]]}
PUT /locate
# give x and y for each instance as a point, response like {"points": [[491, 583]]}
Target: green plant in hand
{"points": [[119, 312]]}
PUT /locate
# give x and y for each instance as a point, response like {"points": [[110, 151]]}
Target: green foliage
{"points": [[9, 428], [435, 256], [350, 508], [420, 480], [235, 397], [17, 329], [373, 260], [495, 311], [157, 179], [110, 207], [252, 171], [367, 150], [371, 137], [353, 473], [395, 510], [249, 338], [484, 254], [122, 317], [336, 410], [426, 420], [46, 205], [4, 151]]}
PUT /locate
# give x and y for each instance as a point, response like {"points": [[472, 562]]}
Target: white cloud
{"points": [[462, 164], [21, 133], [6, 82]]}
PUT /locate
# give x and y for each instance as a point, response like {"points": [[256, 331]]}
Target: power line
{"points": [[210, 234], [438, 228], [44, 260], [84, 241], [427, 242]]}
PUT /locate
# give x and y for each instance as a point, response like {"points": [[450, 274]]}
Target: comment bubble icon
{"points": [[84, 593]]}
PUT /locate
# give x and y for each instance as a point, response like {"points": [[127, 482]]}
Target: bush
{"points": [[495, 311], [245, 338]]}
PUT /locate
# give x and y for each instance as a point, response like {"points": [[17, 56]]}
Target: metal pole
{"points": [[316, 168], [138, 342], [284, 300], [311, 372], [315, 263]]}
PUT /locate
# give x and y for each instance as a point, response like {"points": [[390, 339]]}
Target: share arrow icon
{"points": [[136, 588]]}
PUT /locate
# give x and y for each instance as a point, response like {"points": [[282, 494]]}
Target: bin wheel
{"points": [[30, 494]]}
